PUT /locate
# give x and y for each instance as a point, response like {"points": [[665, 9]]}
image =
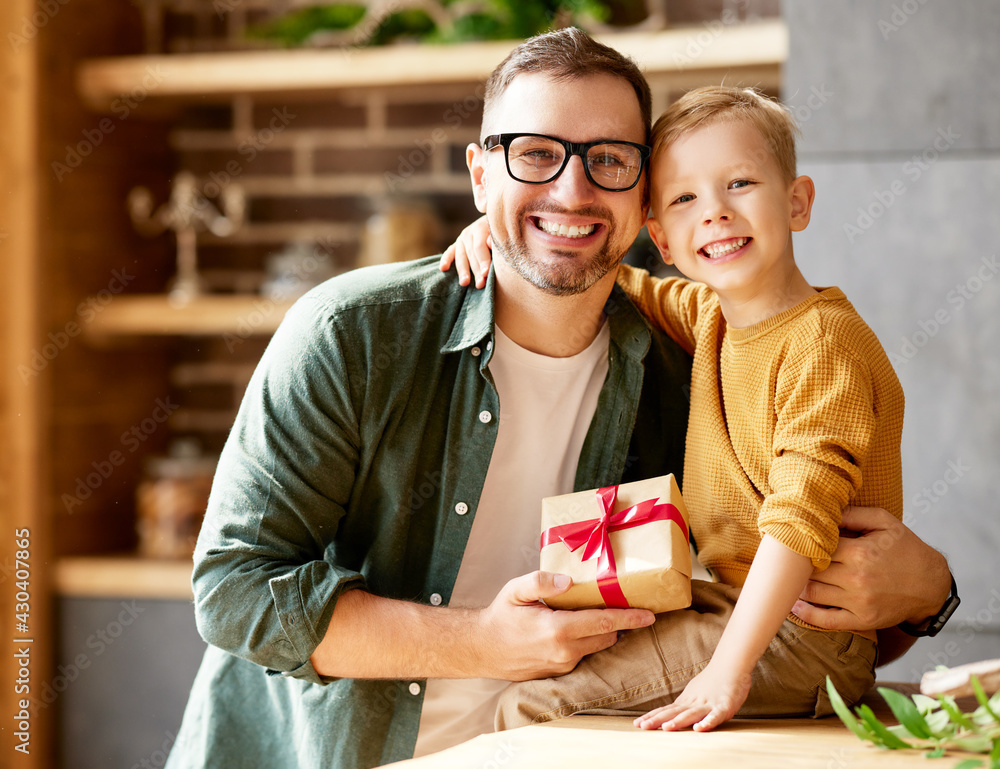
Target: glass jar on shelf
{"points": [[171, 500]]}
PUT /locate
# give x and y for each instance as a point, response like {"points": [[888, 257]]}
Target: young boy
{"points": [[795, 413]]}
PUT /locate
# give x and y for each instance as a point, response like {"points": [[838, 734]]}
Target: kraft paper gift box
{"points": [[623, 546]]}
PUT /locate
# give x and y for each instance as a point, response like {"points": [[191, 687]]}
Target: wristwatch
{"points": [[933, 625]]}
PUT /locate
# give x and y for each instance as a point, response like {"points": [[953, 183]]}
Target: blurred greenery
{"points": [[934, 725], [487, 20]]}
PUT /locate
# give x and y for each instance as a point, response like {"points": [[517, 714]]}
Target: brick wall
{"points": [[320, 175]]}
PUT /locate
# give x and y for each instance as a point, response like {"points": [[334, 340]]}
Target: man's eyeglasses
{"points": [[539, 159]]}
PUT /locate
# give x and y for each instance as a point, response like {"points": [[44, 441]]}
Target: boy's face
{"points": [[723, 213], [566, 235]]}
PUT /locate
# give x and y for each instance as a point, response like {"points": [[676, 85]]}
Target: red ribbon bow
{"points": [[593, 536]]}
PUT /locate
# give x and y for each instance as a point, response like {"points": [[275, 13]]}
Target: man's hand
{"points": [[882, 574], [522, 639], [515, 638]]}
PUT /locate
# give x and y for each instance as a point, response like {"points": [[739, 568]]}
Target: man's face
{"points": [[564, 236]]}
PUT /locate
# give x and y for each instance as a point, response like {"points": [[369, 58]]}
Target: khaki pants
{"points": [[650, 667]]}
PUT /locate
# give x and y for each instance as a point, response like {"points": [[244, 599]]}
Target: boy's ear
{"points": [[802, 193], [475, 159], [659, 239]]}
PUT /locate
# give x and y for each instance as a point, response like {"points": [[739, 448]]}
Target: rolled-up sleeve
{"points": [[267, 570], [825, 424]]}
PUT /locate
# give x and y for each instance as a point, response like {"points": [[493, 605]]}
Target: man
{"points": [[363, 573]]}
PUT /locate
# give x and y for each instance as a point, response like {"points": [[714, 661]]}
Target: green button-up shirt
{"points": [[357, 460]]}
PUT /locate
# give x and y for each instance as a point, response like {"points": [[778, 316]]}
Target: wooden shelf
{"points": [[157, 315], [760, 47], [124, 576]]}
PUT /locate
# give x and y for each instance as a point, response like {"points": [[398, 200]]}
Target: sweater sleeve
{"points": [[265, 577], [673, 305], [825, 424]]}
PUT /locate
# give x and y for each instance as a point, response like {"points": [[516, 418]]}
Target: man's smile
{"points": [[565, 230]]}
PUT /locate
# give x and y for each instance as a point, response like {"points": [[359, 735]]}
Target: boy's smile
{"points": [[722, 248], [724, 215]]}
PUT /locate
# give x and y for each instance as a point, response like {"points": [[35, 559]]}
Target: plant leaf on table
{"points": [[934, 725]]}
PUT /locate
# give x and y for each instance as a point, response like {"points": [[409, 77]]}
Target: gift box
{"points": [[624, 546]]}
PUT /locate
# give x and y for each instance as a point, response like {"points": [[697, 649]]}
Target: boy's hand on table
{"points": [[711, 698], [882, 574]]}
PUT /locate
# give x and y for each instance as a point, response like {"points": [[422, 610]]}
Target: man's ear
{"points": [[659, 239], [802, 194], [475, 159]]}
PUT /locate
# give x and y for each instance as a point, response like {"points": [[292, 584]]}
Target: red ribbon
{"points": [[593, 536]]}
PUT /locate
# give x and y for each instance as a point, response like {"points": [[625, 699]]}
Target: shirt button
{"points": [[476, 352], [461, 508], [435, 599], [485, 416], [414, 689]]}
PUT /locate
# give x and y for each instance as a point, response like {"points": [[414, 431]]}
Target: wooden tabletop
{"points": [[610, 742]]}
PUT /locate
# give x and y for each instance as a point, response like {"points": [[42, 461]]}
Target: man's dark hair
{"points": [[566, 54]]}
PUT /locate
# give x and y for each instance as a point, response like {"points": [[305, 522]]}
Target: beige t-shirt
{"points": [[546, 406]]}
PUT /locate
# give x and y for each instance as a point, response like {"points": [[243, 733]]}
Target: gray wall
{"points": [[125, 669], [899, 104]]}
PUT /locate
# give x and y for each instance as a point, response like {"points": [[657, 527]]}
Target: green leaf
{"points": [[886, 737], [956, 715], [925, 704], [938, 752], [845, 715], [939, 723], [969, 763], [972, 744], [981, 697], [906, 713]]}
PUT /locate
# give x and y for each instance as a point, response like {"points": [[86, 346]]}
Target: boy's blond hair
{"points": [[710, 104]]}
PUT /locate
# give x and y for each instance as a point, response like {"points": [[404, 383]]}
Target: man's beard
{"points": [[565, 279]]}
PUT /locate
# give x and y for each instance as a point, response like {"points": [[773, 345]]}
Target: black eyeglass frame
{"points": [[572, 148]]}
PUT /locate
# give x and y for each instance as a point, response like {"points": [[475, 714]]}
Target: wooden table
{"points": [[611, 742]]}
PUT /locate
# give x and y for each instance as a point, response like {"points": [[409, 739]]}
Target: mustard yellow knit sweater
{"points": [[791, 419]]}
